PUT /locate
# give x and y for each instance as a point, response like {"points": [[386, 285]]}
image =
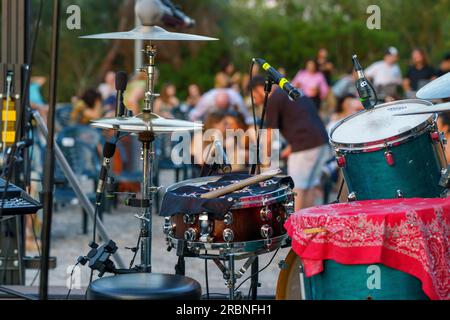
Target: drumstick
{"points": [[240, 185]]}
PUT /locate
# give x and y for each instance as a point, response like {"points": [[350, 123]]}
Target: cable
{"points": [[71, 277], [206, 277], [136, 251], [258, 272]]}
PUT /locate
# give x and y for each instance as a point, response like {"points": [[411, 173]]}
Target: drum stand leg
{"points": [[231, 281], [180, 267], [302, 282], [255, 278]]}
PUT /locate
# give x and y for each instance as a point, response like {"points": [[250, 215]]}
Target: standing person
{"points": [[194, 95], [299, 122], [227, 77], [312, 82], [325, 66], [444, 66], [419, 73], [167, 102], [386, 74]]}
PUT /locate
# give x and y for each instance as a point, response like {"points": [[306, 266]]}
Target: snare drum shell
{"points": [[415, 172], [246, 225]]}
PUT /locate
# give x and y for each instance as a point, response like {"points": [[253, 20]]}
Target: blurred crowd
{"points": [[227, 103]]}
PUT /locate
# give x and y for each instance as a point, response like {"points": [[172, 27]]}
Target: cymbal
{"points": [[437, 108], [436, 89], [149, 33], [146, 123]]}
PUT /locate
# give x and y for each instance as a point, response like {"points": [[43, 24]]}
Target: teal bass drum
{"points": [[382, 156]]}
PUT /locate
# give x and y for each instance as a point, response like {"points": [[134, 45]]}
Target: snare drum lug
{"points": [[266, 231], [400, 194], [228, 218], [266, 214], [188, 219], [190, 234], [351, 197], [389, 158], [228, 235]]}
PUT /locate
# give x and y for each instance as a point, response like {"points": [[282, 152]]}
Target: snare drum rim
{"points": [[383, 143]]}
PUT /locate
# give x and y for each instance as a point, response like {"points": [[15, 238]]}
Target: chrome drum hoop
{"points": [[231, 248], [376, 145]]}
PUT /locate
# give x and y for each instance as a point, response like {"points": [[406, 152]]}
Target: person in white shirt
{"points": [[220, 100], [386, 74]]}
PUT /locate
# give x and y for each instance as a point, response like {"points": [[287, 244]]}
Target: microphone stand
{"points": [[256, 168]]}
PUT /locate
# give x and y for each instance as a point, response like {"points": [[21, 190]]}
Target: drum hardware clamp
{"points": [[400, 194], [445, 177], [142, 217], [351, 197]]}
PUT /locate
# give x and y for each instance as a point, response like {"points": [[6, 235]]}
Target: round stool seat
{"points": [[144, 286]]}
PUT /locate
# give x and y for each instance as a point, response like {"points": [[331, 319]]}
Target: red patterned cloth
{"points": [[410, 235]]}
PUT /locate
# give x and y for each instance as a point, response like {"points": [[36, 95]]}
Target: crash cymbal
{"points": [[153, 33], [443, 107], [436, 89], [146, 123]]}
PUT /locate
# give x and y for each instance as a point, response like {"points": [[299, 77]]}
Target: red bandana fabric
{"points": [[409, 235]]}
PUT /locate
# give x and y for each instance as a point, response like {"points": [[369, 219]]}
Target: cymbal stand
{"points": [[147, 139]]}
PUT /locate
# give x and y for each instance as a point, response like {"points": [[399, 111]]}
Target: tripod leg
{"points": [[255, 278]]}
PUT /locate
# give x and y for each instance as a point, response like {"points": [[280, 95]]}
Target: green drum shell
{"points": [[362, 282], [415, 173]]}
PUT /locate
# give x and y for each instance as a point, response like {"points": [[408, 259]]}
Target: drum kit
{"points": [[251, 226], [392, 156]]}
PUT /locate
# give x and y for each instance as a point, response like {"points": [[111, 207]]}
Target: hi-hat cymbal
{"points": [[152, 33], [443, 107], [146, 123], [436, 89]]}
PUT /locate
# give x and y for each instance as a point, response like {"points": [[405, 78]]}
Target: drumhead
{"points": [[379, 123], [279, 194]]}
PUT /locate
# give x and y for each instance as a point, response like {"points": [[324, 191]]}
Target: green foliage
{"points": [[285, 34]]}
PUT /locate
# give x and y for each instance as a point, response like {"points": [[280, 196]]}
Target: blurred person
{"points": [[443, 123], [346, 85], [325, 66], [419, 73], [234, 121], [300, 124], [444, 66], [228, 77], [194, 95], [219, 100], [386, 75], [135, 93], [167, 101], [312, 82], [108, 91], [346, 106], [37, 101], [87, 108]]}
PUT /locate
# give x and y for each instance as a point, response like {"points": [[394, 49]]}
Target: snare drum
{"points": [[251, 221], [384, 156]]}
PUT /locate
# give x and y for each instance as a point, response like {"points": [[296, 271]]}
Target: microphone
{"points": [[109, 147], [280, 80], [219, 150], [365, 90], [121, 86]]}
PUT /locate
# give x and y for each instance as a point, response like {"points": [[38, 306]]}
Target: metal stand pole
{"points": [[231, 276], [71, 177], [49, 168]]}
